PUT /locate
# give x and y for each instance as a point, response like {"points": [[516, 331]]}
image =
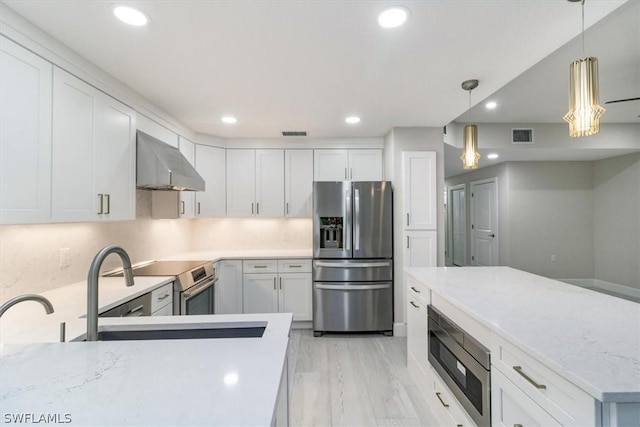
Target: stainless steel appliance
{"points": [[140, 306], [193, 289], [463, 364], [353, 257]]}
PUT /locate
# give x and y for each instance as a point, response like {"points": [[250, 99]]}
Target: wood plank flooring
{"points": [[352, 380]]}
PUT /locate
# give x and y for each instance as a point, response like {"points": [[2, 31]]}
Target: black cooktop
{"points": [[165, 268]]}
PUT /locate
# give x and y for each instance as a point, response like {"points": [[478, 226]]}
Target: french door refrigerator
{"points": [[353, 257]]}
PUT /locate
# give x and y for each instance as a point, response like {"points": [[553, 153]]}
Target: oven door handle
{"points": [[192, 292]]}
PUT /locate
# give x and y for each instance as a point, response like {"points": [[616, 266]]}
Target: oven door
{"points": [[465, 376], [198, 299]]}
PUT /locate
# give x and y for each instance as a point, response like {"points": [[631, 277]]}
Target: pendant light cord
{"points": [[583, 54]]}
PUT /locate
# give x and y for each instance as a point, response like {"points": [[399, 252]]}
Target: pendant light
{"points": [[584, 107], [470, 154]]}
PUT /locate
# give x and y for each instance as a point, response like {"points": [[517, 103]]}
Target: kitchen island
{"points": [[579, 350], [241, 381]]}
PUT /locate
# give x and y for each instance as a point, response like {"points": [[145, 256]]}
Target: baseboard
{"points": [[302, 325], [400, 329]]}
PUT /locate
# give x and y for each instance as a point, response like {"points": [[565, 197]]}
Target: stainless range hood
{"points": [[163, 167]]}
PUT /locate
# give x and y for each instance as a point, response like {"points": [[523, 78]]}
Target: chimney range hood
{"points": [[163, 167]]}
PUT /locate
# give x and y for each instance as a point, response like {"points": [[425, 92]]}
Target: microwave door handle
{"points": [[356, 219]]}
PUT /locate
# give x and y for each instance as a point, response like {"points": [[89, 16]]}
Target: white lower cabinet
{"points": [[510, 406], [278, 286], [228, 289], [444, 406]]}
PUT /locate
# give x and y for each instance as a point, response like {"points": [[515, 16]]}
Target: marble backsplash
{"points": [[30, 254]]}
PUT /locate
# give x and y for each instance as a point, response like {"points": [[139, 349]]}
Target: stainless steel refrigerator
{"points": [[353, 257]]}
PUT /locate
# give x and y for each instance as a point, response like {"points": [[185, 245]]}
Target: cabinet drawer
{"points": [[445, 407], [419, 290], [294, 265], [167, 310], [161, 296], [260, 266], [561, 399]]}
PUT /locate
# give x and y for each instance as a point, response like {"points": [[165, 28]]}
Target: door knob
{"points": [[492, 235]]}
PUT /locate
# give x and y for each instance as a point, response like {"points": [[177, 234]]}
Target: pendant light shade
{"points": [[584, 104], [470, 154]]}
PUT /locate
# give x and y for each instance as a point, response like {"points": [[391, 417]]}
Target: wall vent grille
{"points": [[522, 136], [294, 133]]}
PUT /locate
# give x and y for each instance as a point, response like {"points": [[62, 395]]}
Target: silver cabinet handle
{"points": [[356, 238], [101, 211], [280, 282], [108, 196], [295, 265], [519, 370], [415, 290], [345, 173], [407, 219], [441, 401], [414, 304], [198, 208], [163, 297], [259, 266], [517, 425], [274, 283], [63, 331], [351, 172], [182, 207], [407, 242], [251, 208], [257, 208], [134, 310]]}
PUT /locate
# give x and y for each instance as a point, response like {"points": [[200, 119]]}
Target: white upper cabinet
{"points": [[25, 136], [298, 181], [187, 198], [419, 201], [365, 165], [93, 162], [211, 165], [270, 183], [348, 165], [255, 183], [241, 183]]}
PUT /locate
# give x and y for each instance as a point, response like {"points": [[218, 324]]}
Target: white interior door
{"points": [[458, 225], [484, 222]]}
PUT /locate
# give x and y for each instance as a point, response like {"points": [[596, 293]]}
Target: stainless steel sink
{"points": [[182, 331]]}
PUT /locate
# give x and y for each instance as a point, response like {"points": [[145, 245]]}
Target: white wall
{"points": [[616, 213], [397, 141]]}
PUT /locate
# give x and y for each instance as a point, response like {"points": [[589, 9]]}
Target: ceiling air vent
{"points": [[294, 133], [522, 136]]}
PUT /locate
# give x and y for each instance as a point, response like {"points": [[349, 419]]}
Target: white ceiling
{"points": [[306, 65]]}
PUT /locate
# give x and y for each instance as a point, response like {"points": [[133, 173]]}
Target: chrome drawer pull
{"points": [[163, 297], [295, 266], [517, 425], [441, 401], [414, 304], [518, 369], [415, 290], [259, 266]]}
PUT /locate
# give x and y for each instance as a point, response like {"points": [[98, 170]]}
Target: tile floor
{"points": [[352, 380]]}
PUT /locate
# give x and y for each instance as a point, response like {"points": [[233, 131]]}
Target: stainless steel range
{"points": [[193, 288]]}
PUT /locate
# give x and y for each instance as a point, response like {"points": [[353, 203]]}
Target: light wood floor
{"points": [[352, 380]]}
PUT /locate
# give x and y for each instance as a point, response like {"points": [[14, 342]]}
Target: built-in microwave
{"points": [[463, 364]]}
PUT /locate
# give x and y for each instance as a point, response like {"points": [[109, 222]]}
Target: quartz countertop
{"points": [[591, 339], [161, 383]]}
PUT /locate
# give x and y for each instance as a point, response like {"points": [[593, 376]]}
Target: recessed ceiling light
{"points": [[393, 17], [130, 15], [492, 156], [491, 105], [352, 120], [229, 120]]}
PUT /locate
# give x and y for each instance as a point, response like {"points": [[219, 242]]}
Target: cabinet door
{"points": [[420, 249], [210, 164], [25, 135], [270, 183], [419, 202], [187, 198], [241, 181], [510, 406], [295, 295], [298, 179], [75, 115], [365, 165], [260, 293], [330, 165], [417, 331], [115, 162], [228, 289]]}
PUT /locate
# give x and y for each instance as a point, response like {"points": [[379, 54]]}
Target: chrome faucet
{"points": [[92, 283], [27, 297]]}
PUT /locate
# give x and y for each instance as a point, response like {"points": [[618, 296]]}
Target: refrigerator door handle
{"points": [[356, 216], [352, 287], [358, 265], [346, 235]]}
